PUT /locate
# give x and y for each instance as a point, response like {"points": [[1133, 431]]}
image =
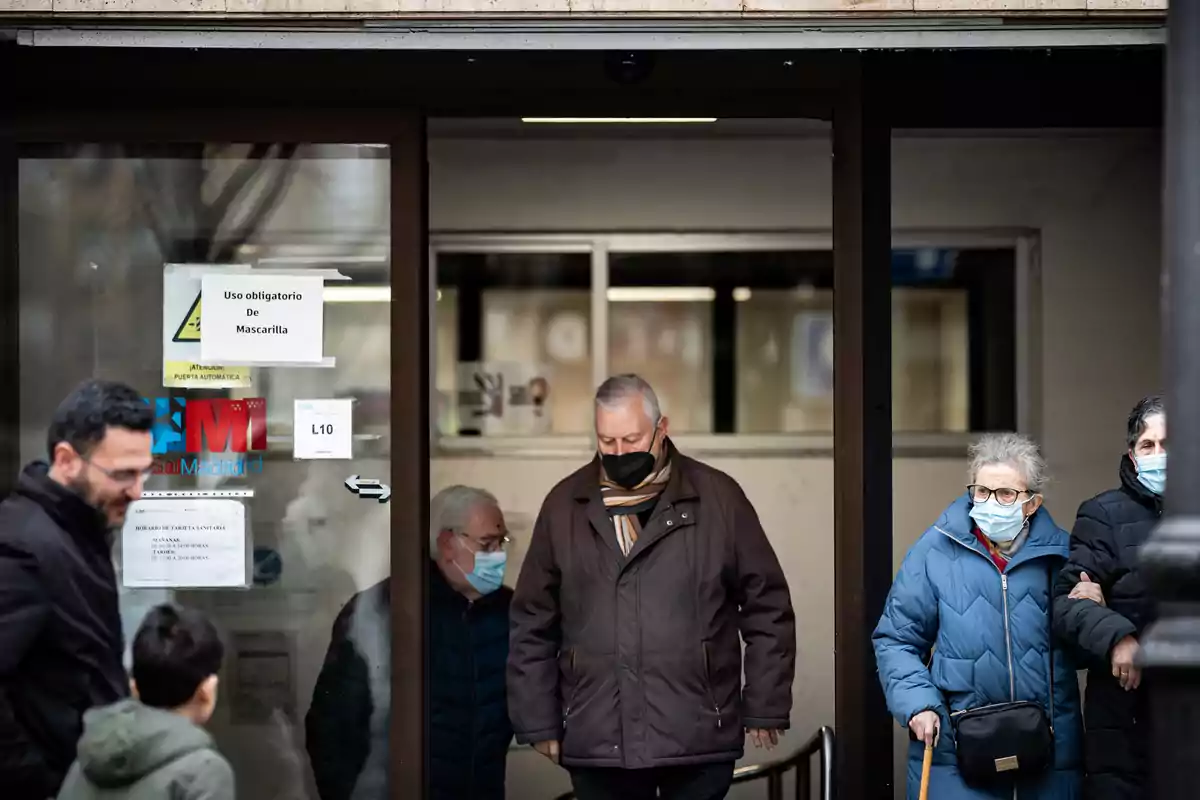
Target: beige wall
{"points": [[394, 7], [1094, 199]]}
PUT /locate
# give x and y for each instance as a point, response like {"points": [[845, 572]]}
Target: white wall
{"points": [[1094, 199]]}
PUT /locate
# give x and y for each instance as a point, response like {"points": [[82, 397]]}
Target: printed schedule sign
{"points": [[184, 544], [252, 319], [323, 429]]}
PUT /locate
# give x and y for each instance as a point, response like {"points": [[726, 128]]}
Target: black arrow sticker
{"points": [[369, 488]]}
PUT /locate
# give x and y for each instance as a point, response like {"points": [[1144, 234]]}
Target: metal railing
{"points": [[821, 744]]}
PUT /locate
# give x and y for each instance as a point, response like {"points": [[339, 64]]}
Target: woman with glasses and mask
{"points": [[965, 647]]}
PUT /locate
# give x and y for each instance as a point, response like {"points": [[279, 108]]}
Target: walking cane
{"points": [[925, 765]]}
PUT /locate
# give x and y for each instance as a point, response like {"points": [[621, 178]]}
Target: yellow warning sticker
{"points": [[190, 375], [189, 329], [183, 285]]}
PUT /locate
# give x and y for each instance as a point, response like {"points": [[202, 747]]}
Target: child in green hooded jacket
{"points": [[153, 747]]}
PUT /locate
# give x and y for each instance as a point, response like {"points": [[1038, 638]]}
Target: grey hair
{"points": [[1017, 451], [1146, 408], [620, 389], [450, 510]]}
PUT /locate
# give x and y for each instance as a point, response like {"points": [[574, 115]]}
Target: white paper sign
{"points": [[182, 544], [323, 429], [252, 319]]}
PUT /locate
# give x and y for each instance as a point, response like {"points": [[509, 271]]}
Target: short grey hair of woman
{"points": [[1017, 451]]}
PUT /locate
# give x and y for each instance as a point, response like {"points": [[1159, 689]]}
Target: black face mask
{"points": [[629, 469]]}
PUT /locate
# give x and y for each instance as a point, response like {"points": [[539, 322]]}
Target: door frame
{"points": [[404, 133]]}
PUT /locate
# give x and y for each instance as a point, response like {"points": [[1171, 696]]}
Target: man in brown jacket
{"points": [[625, 660]]}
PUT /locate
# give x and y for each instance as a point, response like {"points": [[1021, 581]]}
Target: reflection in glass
{"points": [[668, 342], [785, 361], [97, 225], [736, 341], [513, 343]]}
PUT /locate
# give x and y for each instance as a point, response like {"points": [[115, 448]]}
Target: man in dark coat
{"points": [[646, 572], [60, 627], [1101, 608], [469, 730]]}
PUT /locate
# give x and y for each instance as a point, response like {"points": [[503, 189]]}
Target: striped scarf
{"points": [[624, 505]]}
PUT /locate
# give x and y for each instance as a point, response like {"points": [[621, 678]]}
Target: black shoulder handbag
{"points": [[1001, 743]]}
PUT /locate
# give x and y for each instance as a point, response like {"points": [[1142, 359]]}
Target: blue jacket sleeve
{"points": [[904, 639]]}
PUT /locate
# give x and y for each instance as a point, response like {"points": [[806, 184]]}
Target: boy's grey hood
{"points": [[123, 743]]}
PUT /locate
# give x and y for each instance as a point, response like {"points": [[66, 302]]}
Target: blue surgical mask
{"points": [[1152, 471], [488, 574], [999, 523]]}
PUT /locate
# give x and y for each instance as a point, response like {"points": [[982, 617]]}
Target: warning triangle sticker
{"points": [[189, 329]]}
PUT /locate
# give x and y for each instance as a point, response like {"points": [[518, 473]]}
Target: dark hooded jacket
{"points": [[133, 752], [1108, 532], [60, 631]]}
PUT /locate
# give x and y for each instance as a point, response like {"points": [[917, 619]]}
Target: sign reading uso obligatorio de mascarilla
{"points": [[262, 319]]}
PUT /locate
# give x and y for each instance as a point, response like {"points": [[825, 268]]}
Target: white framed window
{"points": [[734, 331]]}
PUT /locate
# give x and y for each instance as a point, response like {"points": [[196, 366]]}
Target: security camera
{"points": [[628, 68]]}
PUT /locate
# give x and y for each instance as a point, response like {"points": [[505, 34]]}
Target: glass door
{"points": [[116, 245]]}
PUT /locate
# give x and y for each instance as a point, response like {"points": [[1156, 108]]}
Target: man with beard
{"points": [[646, 573], [60, 627]]}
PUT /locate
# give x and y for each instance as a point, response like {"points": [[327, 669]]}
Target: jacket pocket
{"points": [[708, 684], [954, 678]]}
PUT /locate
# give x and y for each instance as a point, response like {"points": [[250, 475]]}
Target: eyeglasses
{"points": [[125, 477], [491, 546], [1005, 497]]}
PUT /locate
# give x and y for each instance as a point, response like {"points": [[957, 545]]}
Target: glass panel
{"points": [[743, 341], [953, 344], [930, 386], [682, 321], [514, 343], [669, 343], [734, 341], [661, 310], [97, 226], [785, 361]]}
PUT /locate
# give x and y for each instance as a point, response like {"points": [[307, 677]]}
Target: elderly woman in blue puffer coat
{"points": [[967, 624]]}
